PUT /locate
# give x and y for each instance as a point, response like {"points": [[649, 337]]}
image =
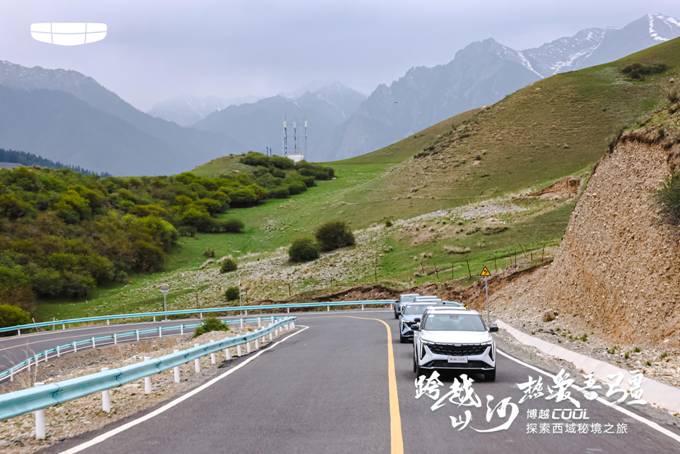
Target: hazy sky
{"points": [[233, 48]]}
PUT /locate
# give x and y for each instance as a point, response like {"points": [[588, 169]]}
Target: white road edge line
{"points": [[626, 412], [105, 436]]}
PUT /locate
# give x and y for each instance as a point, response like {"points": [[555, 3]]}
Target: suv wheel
{"points": [[416, 368], [490, 376], [403, 339]]}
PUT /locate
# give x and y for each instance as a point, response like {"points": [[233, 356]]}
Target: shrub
{"points": [[279, 192], [209, 253], [334, 235], [638, 71], [232, 226], [670, 198], [303, 250], [228, 265], [211, 324], [232, 293], [11, 315]]}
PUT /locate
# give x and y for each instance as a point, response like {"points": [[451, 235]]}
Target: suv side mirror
{"points": [[493, 329], [415, 327], [416, 320]]}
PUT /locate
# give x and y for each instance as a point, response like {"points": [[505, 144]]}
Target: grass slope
{"points": [[553, 128]]}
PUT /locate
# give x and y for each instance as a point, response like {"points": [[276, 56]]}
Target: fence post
{"points": [[181, 329], [39, 420], [147, 380], [288, 310], [247, 347], [227, 354], [257, 344], [58, 352], [259, 322], [197, 365], [271, 336], [137, 334], [362, 307], [75, 347], [115, 338], [241, 322], [328, 308], [108, 322], [106, 397], [200, 315], [154, 318], [160, 331], [63, 326], [238, 350], [175, 371], [18, 331], [212, 358]]}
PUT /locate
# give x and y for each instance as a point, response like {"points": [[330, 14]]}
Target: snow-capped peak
{"points": [[663, 28]]}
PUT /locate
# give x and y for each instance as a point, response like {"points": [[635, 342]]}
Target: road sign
{"points": [[485, 272]]}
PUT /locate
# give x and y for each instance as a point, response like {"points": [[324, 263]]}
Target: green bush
{"points": [[670, 198], [334, 235], [12, 315], [211, 324], [303, 250], [232, 226], [638, 71], [228, 265], [279, 192], [232, 293]]}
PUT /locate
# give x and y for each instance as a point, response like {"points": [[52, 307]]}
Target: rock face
{"points": [[618, 267]]}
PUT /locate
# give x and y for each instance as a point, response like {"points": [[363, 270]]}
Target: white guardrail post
{"points": [[106, 397], [147, 380], [39, 420], [175, 371]]}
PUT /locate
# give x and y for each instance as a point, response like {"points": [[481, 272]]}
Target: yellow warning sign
{"points": [[485, 272]]}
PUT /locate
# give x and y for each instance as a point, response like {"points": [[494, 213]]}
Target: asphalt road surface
{"points": [[332, 388]]}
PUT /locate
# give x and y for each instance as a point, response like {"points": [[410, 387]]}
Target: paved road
{"points": [[327, 390]]}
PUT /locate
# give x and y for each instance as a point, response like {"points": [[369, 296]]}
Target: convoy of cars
{"points": [[446, 336]]}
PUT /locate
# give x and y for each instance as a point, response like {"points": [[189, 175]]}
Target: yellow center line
{"points": [[396, 436]]}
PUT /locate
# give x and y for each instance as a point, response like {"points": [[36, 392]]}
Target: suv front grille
{"points": [[457, 350]]}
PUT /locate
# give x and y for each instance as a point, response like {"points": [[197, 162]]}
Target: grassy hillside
{"points": [[556, 127]]}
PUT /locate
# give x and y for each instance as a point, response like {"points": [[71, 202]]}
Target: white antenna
{"points": [[306, 137], [295, 136]]}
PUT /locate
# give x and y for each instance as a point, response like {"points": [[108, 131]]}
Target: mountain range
{"points": [[483, 73], [66, 116]]}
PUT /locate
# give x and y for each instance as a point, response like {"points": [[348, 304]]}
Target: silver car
{"points": [[454, 339], [405, 298], [410, 312]]}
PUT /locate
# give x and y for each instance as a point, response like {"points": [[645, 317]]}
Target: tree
{"points": [[12, 315], [334, 235], [303, 250]]}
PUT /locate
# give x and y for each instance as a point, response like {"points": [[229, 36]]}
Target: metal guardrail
{"points": [[39, 397], [264, 307], [110, 339]]}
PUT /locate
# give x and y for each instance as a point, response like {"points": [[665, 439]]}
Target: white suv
{"points": [[454, 339]]}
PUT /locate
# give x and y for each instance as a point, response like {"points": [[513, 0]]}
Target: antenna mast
{"points": [[285, 138], [295, 136]]}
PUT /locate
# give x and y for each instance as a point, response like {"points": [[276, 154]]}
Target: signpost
{"points": [[485, 274], [165, 289]]}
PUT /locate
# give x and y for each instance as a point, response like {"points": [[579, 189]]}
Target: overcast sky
{"points": [[233, 48]]}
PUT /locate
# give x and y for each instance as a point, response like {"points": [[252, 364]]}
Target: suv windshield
{"points": [[453, 322], [414, 309]]}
